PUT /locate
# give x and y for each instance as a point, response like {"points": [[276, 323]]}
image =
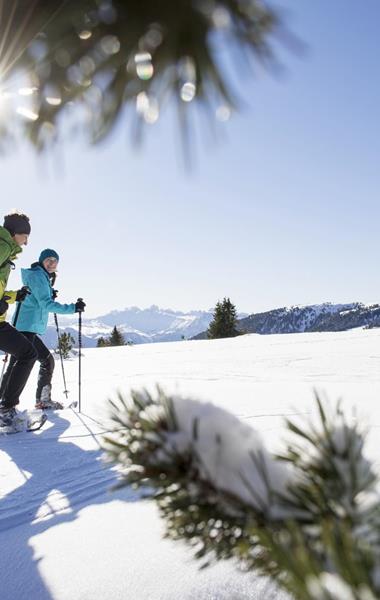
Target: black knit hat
{"points": [[17, 224]]}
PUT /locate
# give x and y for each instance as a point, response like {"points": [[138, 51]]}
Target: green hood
{"points": [[8, 251], [7, 240]]}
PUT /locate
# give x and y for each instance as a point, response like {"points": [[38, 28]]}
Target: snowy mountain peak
{"points": [[138, 325]]}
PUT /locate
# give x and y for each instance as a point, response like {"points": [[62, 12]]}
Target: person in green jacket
{"points": [[13, 235]]}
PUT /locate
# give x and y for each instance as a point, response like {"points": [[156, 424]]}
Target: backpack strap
{"points": [[8, 262]]}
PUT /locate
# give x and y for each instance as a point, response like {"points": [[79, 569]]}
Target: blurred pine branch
{"points": [[69, 65], [309, 518]]}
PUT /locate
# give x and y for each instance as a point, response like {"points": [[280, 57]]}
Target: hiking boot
{"points": [[7, 416], [45, 402]]}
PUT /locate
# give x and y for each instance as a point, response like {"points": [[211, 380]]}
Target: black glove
{"points": [[79, 305], [22, 293], [4, 304], [54, 294]]}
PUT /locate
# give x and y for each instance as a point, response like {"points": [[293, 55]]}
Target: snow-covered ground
{"points": [[65, 536]]}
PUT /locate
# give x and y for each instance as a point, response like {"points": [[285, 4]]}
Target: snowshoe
{"points": [[35, 419], [15, 421], [48, 405]]}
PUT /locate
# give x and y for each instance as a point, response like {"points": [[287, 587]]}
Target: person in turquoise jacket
{"points": [[33, 319]]}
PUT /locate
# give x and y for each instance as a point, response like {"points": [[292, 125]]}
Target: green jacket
{"points": [[8, 252]]}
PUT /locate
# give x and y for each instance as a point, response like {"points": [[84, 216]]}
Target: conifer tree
{"points": [[65, 344], [224, 321], [102, 342], [116, 338]]}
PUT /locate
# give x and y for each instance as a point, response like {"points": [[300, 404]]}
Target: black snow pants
{"points": [[44, 357], [23, 357]]}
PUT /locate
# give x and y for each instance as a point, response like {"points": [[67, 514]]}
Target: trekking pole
{"points": [[65, 391], [5, 359], [80, 358]]}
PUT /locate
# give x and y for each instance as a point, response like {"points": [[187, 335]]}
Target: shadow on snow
{"points": [[59, 480]]}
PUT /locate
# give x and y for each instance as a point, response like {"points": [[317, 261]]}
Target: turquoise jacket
{"points": [[35, 309]]}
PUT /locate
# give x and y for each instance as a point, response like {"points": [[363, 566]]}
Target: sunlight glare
{"points": [[27, 91], [27, 113], [144, 67]]}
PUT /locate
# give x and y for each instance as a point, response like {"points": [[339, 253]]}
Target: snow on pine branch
{"points": [[219, 449], [306, 517]]}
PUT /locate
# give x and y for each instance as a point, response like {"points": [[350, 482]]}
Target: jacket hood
{"points": [[6, 237], [27, 274]]}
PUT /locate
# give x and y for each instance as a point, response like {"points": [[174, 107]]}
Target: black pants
{"points": [[23, 357], [45, 359]]}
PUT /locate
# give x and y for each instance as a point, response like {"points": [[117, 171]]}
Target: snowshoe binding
{"points": [[48, 405]]}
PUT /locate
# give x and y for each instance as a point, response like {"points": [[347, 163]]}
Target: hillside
{"points": [[316, 317]]}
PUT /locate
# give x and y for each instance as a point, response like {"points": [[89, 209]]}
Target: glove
{"points": [[22, 293], [55, 294], [79, 305], [4, 304]]}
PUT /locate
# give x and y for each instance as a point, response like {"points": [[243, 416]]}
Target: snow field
{"points": [[64, 535]]}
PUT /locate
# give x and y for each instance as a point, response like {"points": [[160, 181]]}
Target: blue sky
{"points": [[282, 209]]}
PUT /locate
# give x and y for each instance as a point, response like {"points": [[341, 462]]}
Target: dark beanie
{"points": [[17, 224], [48, 253]]}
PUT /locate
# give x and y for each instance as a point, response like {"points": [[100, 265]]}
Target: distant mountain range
{"points": [[316, 317], [137, 325], [154, 324]]}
